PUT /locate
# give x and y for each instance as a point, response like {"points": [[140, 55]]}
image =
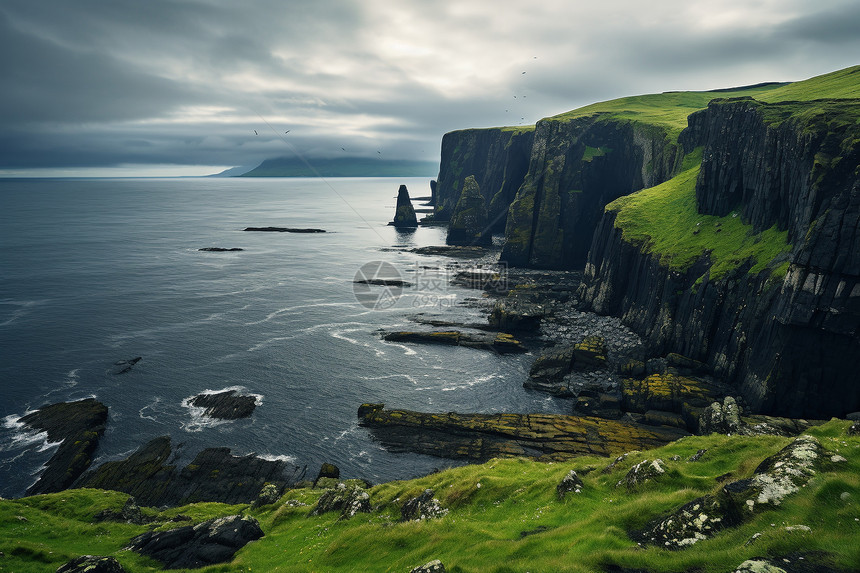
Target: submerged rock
{"points": [[456, 251], [469, 222], [123, 366], [195, 546], [226, 405], [500, 342], [220, 249], [78, 426], [404, 216]]}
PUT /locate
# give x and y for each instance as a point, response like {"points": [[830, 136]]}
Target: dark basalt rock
{"points": [[456, 251], [123, 366], [213, 475], [404, 215], [78, 426], [571, 483], [384, 282], [220, 249], [195, 546], [327, 471], [469, 222], [227, 405], [92, 564], [284, 230], [499, 342], [485, 436]]}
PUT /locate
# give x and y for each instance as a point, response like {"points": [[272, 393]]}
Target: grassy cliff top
{"points": [[503, 516], [669, 110]]}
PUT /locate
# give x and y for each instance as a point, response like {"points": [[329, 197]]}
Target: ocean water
{"points": [[101, 270]]}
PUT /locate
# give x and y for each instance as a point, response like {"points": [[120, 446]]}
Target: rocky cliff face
{"points": [[783, 333], [498, 158], [576, 167]]}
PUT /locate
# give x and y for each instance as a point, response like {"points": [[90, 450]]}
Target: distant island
{"points": [[338, 167]]}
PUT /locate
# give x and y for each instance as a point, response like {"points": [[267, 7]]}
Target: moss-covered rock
{"points": [[404, 215], [469, 222]]}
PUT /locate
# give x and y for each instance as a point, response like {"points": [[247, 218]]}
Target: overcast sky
{"points": [[179, 87]]}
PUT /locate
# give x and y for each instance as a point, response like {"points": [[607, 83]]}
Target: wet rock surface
{"points": [[78, 426], [195, 546], [221, 249], [284, 230], [499, 342], [485, 436], [213, 475], [227, 405]]}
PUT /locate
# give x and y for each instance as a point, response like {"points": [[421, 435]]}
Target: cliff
{"points": [[498, 158], [748, 260], [577, 166]]}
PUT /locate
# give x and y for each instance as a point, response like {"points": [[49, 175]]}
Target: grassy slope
{"points": [[484, 529], [663, 218]]}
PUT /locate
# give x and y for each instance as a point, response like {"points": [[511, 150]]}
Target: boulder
{"points": [[268, 495], [434, 566], [513, 316], [348, 500], [549, 369], [590, 353], [469, 221], [195, 546], [92, 564], [226, 405], [644, 471], [130, 513], [569, 483], [421, 507], [327, 471], [404, 215], [722, 418], [854, 429]]}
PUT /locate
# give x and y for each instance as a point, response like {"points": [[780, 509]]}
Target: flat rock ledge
{"points": [[195, 546], [78, 426], [283, 230], [777, 477], [485, 436], [500, 342]]}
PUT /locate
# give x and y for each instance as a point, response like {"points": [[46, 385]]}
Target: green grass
{"points": [[664, 221], [483, 532], [669, 110]]}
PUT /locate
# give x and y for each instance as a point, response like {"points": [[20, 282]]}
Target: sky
{"points": [[157, 87]]}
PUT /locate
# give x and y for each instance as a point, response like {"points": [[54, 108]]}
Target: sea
{"points": [[97, 271]]}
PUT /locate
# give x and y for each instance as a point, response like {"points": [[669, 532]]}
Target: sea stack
{"points": [[468, 224], [404, 217]]}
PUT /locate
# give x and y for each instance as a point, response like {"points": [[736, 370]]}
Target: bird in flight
{"points": [[255, 132], [287, 131]]}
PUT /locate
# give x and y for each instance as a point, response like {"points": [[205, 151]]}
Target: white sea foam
{"points": [[277, 458], [151, 406], [473, 382]]}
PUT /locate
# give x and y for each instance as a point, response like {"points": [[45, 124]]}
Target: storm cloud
{"points": [[101, 83]]}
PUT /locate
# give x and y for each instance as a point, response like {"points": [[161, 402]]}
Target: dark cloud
{"points": [[109, 82]]}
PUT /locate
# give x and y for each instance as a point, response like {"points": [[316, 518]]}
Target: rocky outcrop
{"points": [[213, 475], [421, 507], [434, 566], [485, 436], [469, 221], [346, 499], [92, 564], [195, 546], [781, 334], [570, 483], [575, 168], [404, 214], [499, 342], [226, 405], [284, 230], [78, 426], [774, 479], [498, 158]]}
